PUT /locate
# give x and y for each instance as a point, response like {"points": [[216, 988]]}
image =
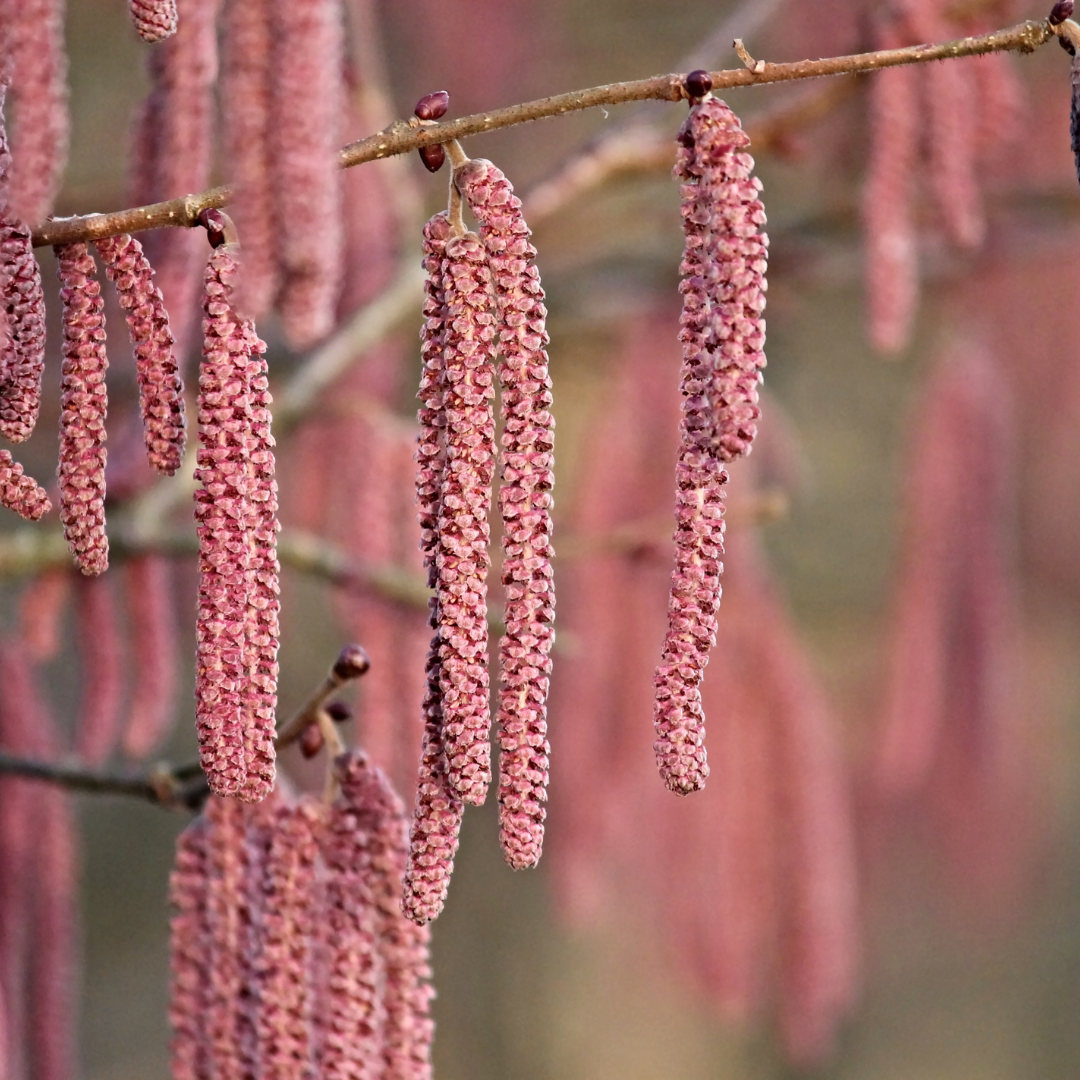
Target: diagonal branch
{"points": [[402, 136]]}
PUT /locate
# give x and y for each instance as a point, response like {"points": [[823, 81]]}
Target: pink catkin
{"points": [[26, 728], [152, 622], [41, 123], [155, 20], [308, 105], [101, 663], [723, 338], [237, 629], [438, 813], [950, 103], [22, 352], [286, 935], [725, 265], [699, 506], [19, 492], [407, 1027], [83, 403], [246, 92], [173, 150], [349, 1021], [227, 872], [525, 502], [433, 837], [462, 556], [892, 271], [161, 393], [189, 949]]}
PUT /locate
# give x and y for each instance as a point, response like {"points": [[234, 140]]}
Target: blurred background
{"points": [[954, 869]]}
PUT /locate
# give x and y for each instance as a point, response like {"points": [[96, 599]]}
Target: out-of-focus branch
{"points": [[176, 789], [183, 787], [403, 136]]}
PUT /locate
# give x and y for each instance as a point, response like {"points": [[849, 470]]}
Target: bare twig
{"points": [[183, 787], [401, 136]]}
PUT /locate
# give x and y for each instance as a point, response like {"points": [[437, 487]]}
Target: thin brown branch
{"points": [[161, 785], [183, 787], [402, 136]]}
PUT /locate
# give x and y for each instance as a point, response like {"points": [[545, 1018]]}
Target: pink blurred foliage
{"points": [[103, 662], [152, 641], [751, 885], [173, 151], [32, 43], [498, 36], [955, 733]]}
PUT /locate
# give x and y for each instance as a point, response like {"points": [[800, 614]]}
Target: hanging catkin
{"points": [[525, 503], [83, 402], [433, 838], [236, 511], [161, 393], [723, 338]]}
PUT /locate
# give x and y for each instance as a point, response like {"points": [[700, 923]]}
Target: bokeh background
{"points": [[961, 976]]}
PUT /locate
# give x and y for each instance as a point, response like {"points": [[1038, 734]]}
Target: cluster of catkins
{"points": [[83, 400], [723, 339], [483, 298], [281, 67], [944, 124], [290, 952]]}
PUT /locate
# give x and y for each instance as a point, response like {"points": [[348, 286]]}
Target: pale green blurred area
{"points": [[519, 997]]}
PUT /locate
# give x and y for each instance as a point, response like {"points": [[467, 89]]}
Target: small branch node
{"points": [[756, 66]]}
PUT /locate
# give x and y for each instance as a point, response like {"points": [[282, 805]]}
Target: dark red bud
{"points": [[432, 157], [433, 106], [698, 83], [1061, 11], [311, 741], [338, 711], [352, 663], [213, 221]]}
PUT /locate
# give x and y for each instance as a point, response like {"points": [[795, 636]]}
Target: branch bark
{"points": [[403, 136]]}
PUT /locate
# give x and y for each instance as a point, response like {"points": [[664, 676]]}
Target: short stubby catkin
{"points": [[462, 558], [19, 492], [154, 19], [83, 403], [525, 502], [723, 338], [161, 393], [236, 512]]}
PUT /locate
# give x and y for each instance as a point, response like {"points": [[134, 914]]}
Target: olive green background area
{"points": [[946, 993]]}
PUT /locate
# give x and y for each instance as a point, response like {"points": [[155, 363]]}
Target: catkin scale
{"points": [[155, 20]]}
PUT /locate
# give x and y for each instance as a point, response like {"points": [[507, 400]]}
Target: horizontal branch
{"points": [[181, 787], [405, 135]]}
